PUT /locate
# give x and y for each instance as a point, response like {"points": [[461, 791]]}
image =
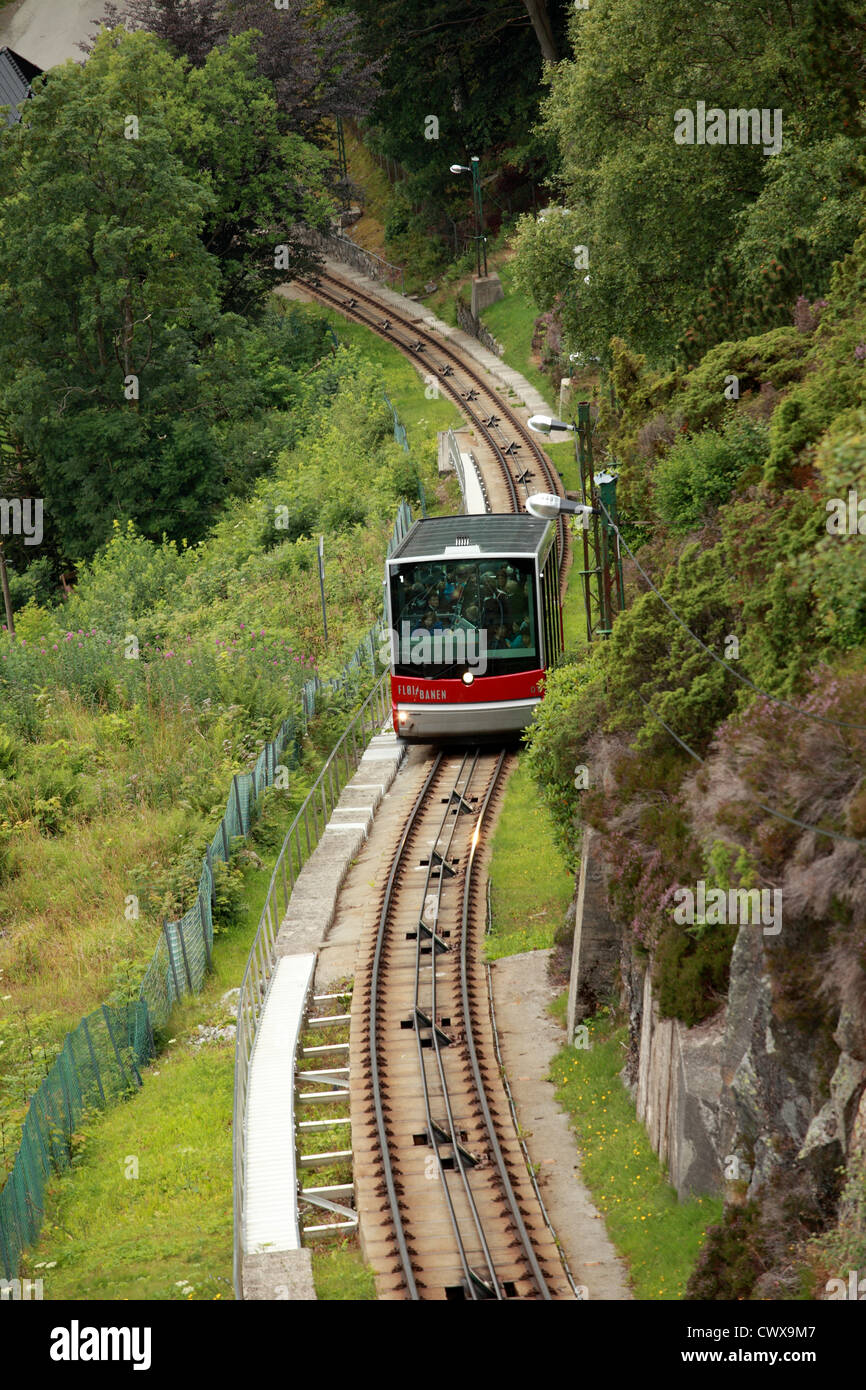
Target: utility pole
{"points": [[603, 585], [602, 562], [480, 238], [7, 598], [322, 585], [341, 162]]}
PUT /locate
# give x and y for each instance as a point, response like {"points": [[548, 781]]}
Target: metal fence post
{"points": [[183, 953], [96, 1072], [208, 854], [204, 934], [171, 958], [237, 801]]}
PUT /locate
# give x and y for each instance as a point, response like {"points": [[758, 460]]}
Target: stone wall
{"points": [[676, 1085], [470, 324], [763, 1101], [674, 1073]]}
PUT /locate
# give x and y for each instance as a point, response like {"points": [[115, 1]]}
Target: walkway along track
{"points": [[460, 379], [446, 1203]]}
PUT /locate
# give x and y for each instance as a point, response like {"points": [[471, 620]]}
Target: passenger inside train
{"points": [[492, 598]]}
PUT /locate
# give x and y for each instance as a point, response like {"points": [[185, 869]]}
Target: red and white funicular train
{"points": [[473, 608]]}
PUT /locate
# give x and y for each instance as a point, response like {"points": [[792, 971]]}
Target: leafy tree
{"points": [[311, 57], [662, 220], [806, 217], [105, 289], [474, 70], [266, 183], [121, 233]]}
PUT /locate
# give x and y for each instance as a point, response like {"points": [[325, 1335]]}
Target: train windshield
{"points": [[453, 614]]}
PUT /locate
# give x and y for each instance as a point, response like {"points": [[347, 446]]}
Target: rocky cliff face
{"points": [[755, 1106], [765, 1102]]}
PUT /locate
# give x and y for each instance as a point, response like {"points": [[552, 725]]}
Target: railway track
{"points": [[446, 1203], [448, 1209], [523, 466]]}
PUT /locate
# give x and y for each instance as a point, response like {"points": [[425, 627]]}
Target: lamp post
{"points": [[598, 520], [342, 164], [474, 168]]}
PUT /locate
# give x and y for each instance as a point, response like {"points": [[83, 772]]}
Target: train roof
{"points": [[447, 537]]}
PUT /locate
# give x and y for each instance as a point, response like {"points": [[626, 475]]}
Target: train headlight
{"points": [[468, 678]]}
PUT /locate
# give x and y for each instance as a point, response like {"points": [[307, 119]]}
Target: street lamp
{"points": [[548, 506], [598, 522], [474, 169], [548, 424]]}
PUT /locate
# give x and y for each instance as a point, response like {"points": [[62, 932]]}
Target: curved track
{"points": [[519, 458]]}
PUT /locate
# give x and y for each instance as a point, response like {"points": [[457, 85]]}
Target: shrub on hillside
{"points": [[700, 471], [838, 566], [733, 1256]]}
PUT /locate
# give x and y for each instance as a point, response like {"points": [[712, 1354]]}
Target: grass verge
{"points": [[659, 1236], [527, 907], [145, 1212], [340, 1275], [512, 321], [421, 416]]}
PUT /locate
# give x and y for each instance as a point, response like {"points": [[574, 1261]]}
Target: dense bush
{"points": [[701, 470], [733, 1256]]}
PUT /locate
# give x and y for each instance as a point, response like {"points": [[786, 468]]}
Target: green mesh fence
{"points": [[100, 1060], [99, 1064]]}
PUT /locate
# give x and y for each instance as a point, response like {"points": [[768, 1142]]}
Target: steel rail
{"points": [[551, 476], [431, 1132], [425, 1085], [473, 1051], [373, 1027], [446, 1098], [451, 389]]}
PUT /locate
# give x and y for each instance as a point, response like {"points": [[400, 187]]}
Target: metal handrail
{"points": [[320, 799]]}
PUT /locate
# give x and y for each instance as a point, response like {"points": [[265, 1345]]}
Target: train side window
{"points": [[554, 609], [543, 605], [551, 615], [555, 624]]}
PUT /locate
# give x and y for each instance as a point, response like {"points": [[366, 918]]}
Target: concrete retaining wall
{"points": [[673, 1072]]}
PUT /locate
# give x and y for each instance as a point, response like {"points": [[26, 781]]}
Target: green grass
{"points": [[512, 321], [167, 1233], [422, 418], [558, 1007], [110, 1236], [339, 1273], [527, 904], [147, 1206], [659, 1236]]}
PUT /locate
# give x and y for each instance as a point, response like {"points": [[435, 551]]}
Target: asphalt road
{"points": [[46, 31]]}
